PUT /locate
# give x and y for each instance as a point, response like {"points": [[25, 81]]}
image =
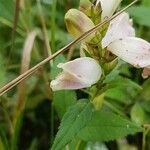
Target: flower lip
{"points": [[79, 61], [77, 74]]}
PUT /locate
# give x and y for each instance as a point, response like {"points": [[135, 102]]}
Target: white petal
{"points": [[77, 74], [133, 50], [67, 81], [120, 27], [108, 7], [84, 68]]}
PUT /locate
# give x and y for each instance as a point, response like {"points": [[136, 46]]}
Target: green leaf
{"points": [[145, 94], [7, 9], [2, 71], [7, 12], [62, 100], [105, 126], [122, 90], [146, 106], [121, 68], [141, 15], [73, 121], [146, 3]]}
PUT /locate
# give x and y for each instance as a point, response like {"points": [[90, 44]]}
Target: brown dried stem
{"points": [[23, 76]]}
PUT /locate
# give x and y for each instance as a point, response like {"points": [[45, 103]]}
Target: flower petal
{"points": [[146, 72], [120, 27], [108, 7], [85, 68], [67, 81], [133, 50], [79, 73]]}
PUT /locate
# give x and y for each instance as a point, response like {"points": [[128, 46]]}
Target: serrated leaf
{"points": [[73, 121], [105, 126], [62, 100], [122, 90], [141, 15]]}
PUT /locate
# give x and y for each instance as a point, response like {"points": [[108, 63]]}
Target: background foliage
{"points": [[30, 113]]}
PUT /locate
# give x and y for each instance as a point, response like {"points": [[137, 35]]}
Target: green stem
{"points": [[15, 21], [144, 139], [145, 132]]}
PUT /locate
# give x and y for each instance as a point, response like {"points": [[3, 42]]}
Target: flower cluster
{"points": [[118, 39]]}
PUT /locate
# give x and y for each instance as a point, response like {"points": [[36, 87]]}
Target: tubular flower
{"points": [[108, 7], [79, 73], [120, 40]]}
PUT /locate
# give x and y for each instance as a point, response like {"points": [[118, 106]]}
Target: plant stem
{"points": [[145, 132], [15, 21], [144, 139], [45, 34]]}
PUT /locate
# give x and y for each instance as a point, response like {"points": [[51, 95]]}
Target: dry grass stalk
{"points": [[23, 76]]}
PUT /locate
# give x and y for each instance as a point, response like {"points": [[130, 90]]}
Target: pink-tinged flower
{"points": [[79, 73], [146, 72], [120, 40], [119, 27], [134, 51], [108, 7]]}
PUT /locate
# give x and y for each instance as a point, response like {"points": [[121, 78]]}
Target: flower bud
{"points": [[85, 7], [78, 23]]}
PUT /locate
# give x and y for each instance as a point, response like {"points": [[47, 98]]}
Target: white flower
{"points": [[120, 40], [118, 28], [133, 50], [108, 7], [77, 74]]}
